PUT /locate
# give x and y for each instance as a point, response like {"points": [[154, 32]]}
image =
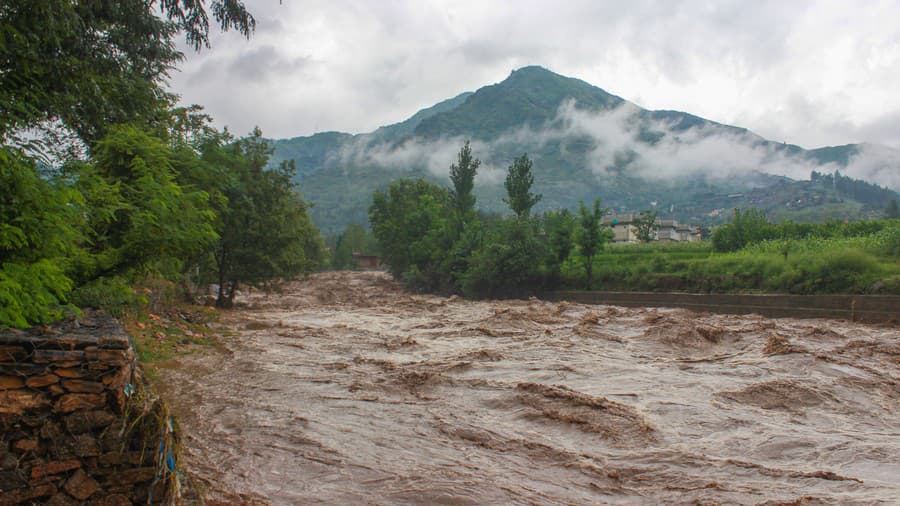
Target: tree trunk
{"points": [[225, 300], [234, 285], [589, 270]]}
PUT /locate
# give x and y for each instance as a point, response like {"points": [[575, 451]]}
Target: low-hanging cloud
{"points": [[621, 143], [876, 164], [435, 156], [626, 139]]}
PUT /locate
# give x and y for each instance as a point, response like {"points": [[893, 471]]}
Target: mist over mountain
{"points": [[587, 143]]}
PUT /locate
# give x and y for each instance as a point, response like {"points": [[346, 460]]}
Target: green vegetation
{"points": [[529, 96], [412, 222], [751, 227], [514, 259], [105, 185], [513, 256], [813, 264], [646, 226], [462, 176], [854, 189], [38, 232], [520, 254], [417, 227], [88, 65], [263, 227], [354, 239], [519, 181], [590, 237]]}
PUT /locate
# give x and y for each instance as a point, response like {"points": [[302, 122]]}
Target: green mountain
{"points": [[529, 97], [403, 129], [585, 143]]}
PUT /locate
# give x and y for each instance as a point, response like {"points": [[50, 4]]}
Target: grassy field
{"points": [[869, 264]]}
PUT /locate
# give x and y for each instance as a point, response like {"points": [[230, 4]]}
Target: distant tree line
{"points": [[872, 195], [751, 226], [433, 239]]}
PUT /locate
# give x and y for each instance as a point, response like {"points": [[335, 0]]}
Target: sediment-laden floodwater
{"points": [[346, 389]]}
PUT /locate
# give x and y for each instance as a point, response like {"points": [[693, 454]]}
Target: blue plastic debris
{"points": [[170, 461]]}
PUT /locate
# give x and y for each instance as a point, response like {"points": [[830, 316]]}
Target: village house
{"points": [[366, 262], [624, 229], [622, 226]]}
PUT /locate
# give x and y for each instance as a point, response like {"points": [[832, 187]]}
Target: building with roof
{"points": [[625, 230]]}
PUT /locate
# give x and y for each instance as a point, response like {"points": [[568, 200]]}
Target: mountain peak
{"points": [[530, 96], [536, 73], [534, 70]]}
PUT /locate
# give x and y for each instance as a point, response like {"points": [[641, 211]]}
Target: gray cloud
{"points": [[265, 62], [433, 155], [714, 151], [876, 164], [811, 73]]}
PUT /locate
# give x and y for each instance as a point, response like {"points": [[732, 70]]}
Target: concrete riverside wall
{"points": [[867, 308], [79, 425]]}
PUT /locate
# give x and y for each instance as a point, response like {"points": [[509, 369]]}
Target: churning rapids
{"points": [[346, 389]]}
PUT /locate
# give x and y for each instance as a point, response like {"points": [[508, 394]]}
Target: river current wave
{"points": [[347, 389]]}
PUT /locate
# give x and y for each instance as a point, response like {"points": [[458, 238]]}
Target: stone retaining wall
{"points": [[79, 425]]}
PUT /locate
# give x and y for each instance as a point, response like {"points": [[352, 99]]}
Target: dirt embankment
{"points": [[346, 389]]}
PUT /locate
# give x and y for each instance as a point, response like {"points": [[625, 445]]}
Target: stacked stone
{"points": [[64, 396]]}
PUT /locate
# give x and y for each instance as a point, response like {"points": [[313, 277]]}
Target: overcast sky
{"points": [[809, 73]]}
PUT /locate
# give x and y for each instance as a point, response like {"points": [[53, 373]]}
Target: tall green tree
{"points": [[87, 64], [591, 236], [265, 232], [519, 180], [91, 74], [411, 220], [646, 226], [462, 175]]}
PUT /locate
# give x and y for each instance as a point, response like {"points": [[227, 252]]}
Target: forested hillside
{"points": [[585, 142]]}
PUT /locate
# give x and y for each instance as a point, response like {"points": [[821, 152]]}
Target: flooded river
{"points": [[345, 389]]}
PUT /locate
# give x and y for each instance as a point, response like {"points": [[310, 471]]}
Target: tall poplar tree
{"points": [[518, 184], [462, 175]]}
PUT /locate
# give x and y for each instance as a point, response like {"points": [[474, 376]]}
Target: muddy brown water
{"points": [[345, 389]]}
